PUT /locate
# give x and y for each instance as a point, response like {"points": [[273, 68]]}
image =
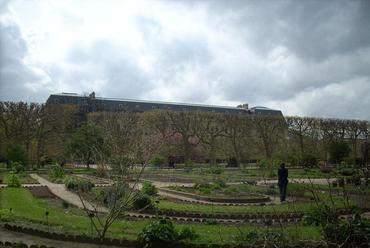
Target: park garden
{"points": [[176, 179]]}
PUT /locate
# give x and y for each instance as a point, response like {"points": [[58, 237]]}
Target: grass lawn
{"points": [[26, 207], [23, 177]]}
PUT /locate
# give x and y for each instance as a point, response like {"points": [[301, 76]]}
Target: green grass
{"points": [[24, 177], [26, 207]]}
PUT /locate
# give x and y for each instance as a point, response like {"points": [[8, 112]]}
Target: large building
{"points": [[92, 103]]}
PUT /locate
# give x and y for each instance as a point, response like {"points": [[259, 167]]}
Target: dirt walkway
{"points": [[9, 236], [60, 191]]}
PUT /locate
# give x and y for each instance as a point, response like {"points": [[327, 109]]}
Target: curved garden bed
{"points": [[243, 199]]}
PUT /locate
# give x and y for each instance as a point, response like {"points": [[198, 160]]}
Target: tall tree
{"points": [[271, 130], [87, 143]]}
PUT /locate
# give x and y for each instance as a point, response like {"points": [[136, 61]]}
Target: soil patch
{"points": [[41, 192]]}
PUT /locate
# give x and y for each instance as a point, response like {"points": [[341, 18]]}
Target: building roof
{"points": [[120, 104]]}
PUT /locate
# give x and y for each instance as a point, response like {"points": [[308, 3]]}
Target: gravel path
{"points": [[60, 191], [10, 236]]}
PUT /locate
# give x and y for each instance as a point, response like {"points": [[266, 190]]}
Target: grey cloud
{"points": [[104, 67], [15, 75]]}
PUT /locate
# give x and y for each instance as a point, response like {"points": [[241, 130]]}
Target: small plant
{"points": [[56, 172], [101, 171], [75, 184], [216, 170], [12, 180], [221, 183], [17, 167], [158, 160], [211, 222], [159, 231], [143, 202], [163, 231], [149, 189], [65, 204], [346, 171], [308, 161], [188, 233]]}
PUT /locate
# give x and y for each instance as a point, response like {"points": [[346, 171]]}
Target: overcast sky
{"points": [[307, 58]]}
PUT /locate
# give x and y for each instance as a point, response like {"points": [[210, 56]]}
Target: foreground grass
{"points": [[27, 208]]}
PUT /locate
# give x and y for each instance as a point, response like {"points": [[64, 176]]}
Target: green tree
{"points": [[338, 151], [86, 143]]}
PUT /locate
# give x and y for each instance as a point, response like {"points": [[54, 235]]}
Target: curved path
{"points": [[60, 191], [10, 236]]}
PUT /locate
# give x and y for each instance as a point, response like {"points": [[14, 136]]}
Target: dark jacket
{"points": [[283, 176]]}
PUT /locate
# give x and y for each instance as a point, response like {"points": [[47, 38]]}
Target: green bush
{"points": [[308, 161], [221, 183], [188, 233], [56, 172], [216, 170], [346, 171], [16, 153], [143, 202], [149, 189], [159, 231], [158, 160], [75, 184], [17, 167], [338, 151], [12, 180]]}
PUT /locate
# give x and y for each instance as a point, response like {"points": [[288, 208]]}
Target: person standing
{"points": [[282, 181]]}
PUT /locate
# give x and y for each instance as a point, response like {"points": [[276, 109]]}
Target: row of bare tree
{"points": [[43, 131]]}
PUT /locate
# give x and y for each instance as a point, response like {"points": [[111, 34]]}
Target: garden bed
{"points": [[41, 192], [241, 199]]}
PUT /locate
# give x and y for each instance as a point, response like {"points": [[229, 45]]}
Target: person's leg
{"points": [[284, 192], [281, 192]]}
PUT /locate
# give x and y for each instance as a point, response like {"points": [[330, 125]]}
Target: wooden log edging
{"points": [[261, 219], [109, 242]]}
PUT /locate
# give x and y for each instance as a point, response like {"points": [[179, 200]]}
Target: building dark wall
{"points": [[97, 104]]}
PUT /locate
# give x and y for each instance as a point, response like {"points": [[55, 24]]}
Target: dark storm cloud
{"points": [[15, 75], [307, 57]]}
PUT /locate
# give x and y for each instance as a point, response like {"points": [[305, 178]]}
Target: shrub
{"points": [[188, 233], [346, 171], [159, 231], [308, 161], [65, 204], [75, 184], [12, 180], [216, 170], [17, 167], [101, 171], [56, 171], [338, 151], [143, 202], [220, 183], [149, 189], [158, 160], [16, 153]]}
